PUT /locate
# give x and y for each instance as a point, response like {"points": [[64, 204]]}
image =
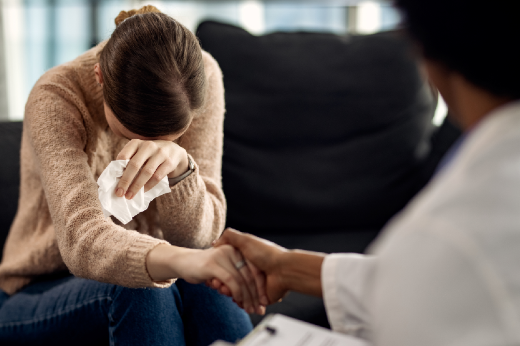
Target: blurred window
{"points": [[40, 34]]}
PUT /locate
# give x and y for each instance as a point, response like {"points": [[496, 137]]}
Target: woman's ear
{"points": [[99, 75]]}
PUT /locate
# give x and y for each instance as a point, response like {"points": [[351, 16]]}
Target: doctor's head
{"points": [[467, 41], [152, 74]]}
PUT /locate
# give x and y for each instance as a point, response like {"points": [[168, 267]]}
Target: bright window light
{"points": [[440, 112], [251, 13], [13, 20], [369, 17]]}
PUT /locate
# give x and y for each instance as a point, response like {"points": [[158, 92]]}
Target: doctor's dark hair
{"points": [[476, 38], [153, 73]]}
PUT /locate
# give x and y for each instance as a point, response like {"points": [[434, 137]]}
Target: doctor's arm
{"points": [[342, 279]]}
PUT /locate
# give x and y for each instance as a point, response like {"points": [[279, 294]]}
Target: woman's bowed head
{"points": [[150, 95]]}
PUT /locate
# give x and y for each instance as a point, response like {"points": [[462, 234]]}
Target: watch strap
{"points": [[191, 169]]}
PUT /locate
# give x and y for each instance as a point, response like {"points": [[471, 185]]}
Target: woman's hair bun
{"points": [[127, 14]]}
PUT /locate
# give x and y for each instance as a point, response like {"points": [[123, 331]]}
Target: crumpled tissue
{"points": [[123, 209]]}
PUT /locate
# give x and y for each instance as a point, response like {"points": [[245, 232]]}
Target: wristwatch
{"points": [[191, 169]]}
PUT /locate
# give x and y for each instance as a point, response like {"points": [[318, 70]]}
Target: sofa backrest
{"points": [[10, 142], [322, 132], [313, 141]]}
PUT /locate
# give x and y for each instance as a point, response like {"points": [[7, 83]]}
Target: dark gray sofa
{"points": [[326, 138]]}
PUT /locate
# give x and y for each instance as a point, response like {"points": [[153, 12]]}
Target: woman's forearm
{"points": [[301, 271], [195, 206]]}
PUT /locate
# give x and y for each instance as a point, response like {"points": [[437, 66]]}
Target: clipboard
{"points": [[280, 330]]}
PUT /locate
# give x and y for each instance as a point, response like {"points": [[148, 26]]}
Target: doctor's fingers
{"points": [[260, 282], [256, 250], [216, 284]]}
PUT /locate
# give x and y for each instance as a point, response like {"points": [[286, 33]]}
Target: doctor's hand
{"points": [[263, 255], [150, 161]]}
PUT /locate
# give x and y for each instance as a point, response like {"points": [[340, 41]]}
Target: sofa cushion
{"points": [[322, 132], [10, 141]]}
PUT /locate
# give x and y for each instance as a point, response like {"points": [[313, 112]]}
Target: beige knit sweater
{"points": [[66, 145]]}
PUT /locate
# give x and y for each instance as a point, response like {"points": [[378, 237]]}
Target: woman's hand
{"points": [[150, 162], [198, 266]]}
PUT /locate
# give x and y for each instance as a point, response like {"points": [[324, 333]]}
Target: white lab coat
{"points": [[446, 270]]}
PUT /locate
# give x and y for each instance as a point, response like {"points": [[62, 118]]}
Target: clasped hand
{"points": [[276, 269], [253, 282], [264, 262]]}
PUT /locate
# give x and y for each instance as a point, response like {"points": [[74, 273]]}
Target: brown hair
{"points": [[153, 73]]}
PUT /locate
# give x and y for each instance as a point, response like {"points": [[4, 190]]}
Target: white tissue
{"points": [[123, 209]]}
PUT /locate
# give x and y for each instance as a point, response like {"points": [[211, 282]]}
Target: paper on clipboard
{"points": [[279, 330]]}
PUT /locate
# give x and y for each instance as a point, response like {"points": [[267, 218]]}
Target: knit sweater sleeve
{"points": [[91, 245], [194, 213]]}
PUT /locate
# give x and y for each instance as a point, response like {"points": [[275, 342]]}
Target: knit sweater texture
{"points": [[66, 145]]}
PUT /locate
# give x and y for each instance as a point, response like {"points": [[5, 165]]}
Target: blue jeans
{"points": [[74, 311]]}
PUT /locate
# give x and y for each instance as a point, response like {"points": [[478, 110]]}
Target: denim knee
{"points": [[146, 316], [146, 300]]}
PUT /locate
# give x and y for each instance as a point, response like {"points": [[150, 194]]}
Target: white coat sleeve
{"points": [[345, 281]]}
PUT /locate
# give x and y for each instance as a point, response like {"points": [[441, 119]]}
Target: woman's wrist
{"points": [[182, 167], [164, 262]]}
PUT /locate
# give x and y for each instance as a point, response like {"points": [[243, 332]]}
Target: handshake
{"points": [[257, 279], [253, 271]]}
